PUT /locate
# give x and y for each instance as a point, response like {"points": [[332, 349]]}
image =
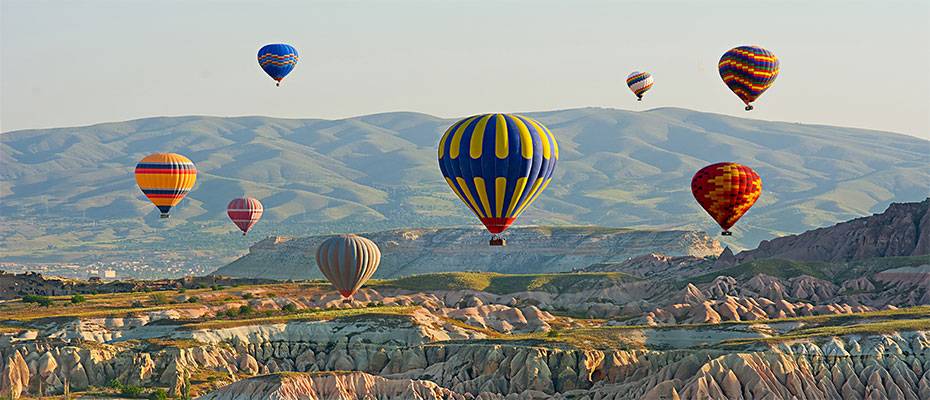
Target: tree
{"points": [[78, 299]]}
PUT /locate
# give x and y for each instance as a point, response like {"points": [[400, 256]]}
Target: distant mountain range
{"points": [[71, 190]]}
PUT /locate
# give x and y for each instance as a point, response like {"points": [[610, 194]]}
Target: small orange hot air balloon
{"points": [[726, 190], [165, 178]]}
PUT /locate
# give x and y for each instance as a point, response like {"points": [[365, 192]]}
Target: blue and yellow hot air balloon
{"points": [[277, 60], [165, 178], [498, 164]]}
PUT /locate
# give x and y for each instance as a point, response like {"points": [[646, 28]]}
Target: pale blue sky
{"points": [[848, 63]]}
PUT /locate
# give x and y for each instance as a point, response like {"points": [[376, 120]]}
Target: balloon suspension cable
{"points": [[726, 233], [748, 107]]}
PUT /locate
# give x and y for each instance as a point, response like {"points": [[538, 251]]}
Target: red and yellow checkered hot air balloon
{"points": [[165, 178], [726, 190]]}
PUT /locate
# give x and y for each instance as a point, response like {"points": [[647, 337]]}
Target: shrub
{"points": [[43, 301], [553, 333], [158, 394], [232, 313], [248, 296], [216, 287], [193, 299], [182, 290], [77, 299], [131, 391], [137, 304], [159, 299], [246, 309], [115, 384], [290, 307]]}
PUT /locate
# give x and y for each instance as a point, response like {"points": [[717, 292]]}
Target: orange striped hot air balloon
{"points": [[726, 191], [165, 178]]}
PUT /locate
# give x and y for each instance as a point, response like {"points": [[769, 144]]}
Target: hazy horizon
{"points": [[450, 60], [449, 117]]}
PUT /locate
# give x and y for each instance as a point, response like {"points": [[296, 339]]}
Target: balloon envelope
{"points": [[639, 83], [244, 212], [748, 71], [726, 191], [347, 261], [498, 164], [165, 178], [278, 60]]}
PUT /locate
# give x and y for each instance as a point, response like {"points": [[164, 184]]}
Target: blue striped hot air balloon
{"points": [[498, 164], [748, 71], [277, 60]]}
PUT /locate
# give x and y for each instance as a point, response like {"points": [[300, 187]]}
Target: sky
{"points": [[847, 63]]}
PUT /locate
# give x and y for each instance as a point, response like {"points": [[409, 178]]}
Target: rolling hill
{"points": [[70, 191]]}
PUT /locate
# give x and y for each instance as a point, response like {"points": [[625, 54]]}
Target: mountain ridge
{"points": [[618, 168]]}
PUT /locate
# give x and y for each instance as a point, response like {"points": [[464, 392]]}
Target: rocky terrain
{"points": [[406, 353], [902, 230], [652, 326], [529, 250]]}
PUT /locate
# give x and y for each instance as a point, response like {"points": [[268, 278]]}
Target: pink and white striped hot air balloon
{"points": [[244, 212]]}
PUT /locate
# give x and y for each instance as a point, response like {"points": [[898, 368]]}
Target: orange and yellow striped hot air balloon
{"points": [[726, 191], [165, 178]]}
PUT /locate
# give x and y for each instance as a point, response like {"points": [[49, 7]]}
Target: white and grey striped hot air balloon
{"points": [[348, 261]]}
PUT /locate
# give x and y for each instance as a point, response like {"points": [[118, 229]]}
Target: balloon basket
{"points": [[497, 241], [748, 107], [726, 233], [164, 216], [347, 300]]}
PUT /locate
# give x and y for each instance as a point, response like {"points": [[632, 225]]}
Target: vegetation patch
{"points": [[304, 315], [506, 283]]}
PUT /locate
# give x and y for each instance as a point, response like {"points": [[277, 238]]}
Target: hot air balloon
{"points": [[498, 164], [748, 71], [348, 261], [277, 60], [639, 83], [165, 178], [726, 191], [244, 212]]}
